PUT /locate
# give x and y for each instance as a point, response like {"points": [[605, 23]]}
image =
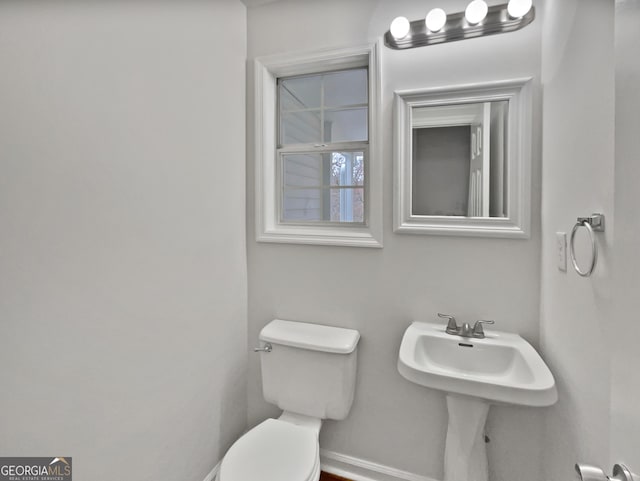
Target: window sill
{"points": [[328, 236]]}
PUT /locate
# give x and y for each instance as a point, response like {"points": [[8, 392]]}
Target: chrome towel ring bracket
{"points": [[593, 223]]}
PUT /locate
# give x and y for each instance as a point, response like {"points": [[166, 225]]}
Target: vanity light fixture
{"points": [[476, 12], [435, 20], [400, 28], [519, 8], [476, 21]]}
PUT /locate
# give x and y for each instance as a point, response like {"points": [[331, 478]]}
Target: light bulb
{"points": [[400, 27], [476, 11], [436, 19], [519, 8]]}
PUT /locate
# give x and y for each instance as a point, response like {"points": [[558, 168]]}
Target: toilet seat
{"points": [[273, 451]]}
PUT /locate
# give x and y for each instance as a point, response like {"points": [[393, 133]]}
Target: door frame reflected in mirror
{"points": [[517, 218]]}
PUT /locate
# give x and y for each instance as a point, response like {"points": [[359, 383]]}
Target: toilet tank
{"points": [[311, 369]]}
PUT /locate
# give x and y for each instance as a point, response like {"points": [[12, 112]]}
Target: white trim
{"points": [[448, 116], [517, 223], [213, 473], [352, 468], [358, 469], [268, 228]]}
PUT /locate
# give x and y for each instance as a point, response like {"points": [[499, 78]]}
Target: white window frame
{"points": [[267, 204]]}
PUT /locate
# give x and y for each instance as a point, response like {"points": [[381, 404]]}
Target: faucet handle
{"points": [[452, 325], [478, 331]]}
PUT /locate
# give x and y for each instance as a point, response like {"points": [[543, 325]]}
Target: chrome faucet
{"points": [[465, 330], [452, 325], [478, 331]]}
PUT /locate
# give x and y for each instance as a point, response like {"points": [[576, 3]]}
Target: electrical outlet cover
{"points": [[561, 250]]}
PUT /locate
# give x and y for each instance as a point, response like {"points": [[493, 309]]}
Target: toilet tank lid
{"points": [[314, 337]]}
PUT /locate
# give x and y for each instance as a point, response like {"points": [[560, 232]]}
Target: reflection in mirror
{"points": [[459, 159], [463, 160]]}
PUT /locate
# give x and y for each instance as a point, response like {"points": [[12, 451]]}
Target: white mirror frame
{"points": [[518, 220]]}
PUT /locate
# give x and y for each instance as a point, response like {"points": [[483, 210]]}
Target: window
{"points": [[317, 176], [323, 141]]}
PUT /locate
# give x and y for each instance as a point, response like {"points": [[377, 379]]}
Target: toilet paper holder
{"points": [[593, 473]]}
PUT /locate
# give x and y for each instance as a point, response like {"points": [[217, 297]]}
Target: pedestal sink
{"points": [[501, 368]]}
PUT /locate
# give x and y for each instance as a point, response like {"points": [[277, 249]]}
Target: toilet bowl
{"points": [[275, 450], [309, 372]]}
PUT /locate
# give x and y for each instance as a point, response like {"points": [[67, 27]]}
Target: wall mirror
{"points": [[463, 160]]}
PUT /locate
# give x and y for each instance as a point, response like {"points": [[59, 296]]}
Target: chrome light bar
{"points": [[457, 27]]}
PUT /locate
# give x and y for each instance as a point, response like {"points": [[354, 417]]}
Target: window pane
{"points": [[345, 88], [323, 169], [302, 205], [323, 187], [300, 128], [347, 168], [346, 125], [347, 205], [300, 92], [303, 170]]}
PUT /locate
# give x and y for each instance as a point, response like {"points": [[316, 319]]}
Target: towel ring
{"points": [[592, 223]]}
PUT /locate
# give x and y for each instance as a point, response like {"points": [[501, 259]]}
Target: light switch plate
{"points": [[561, 250]]}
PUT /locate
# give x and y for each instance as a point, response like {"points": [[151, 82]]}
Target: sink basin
{"points": [[501, 368]]}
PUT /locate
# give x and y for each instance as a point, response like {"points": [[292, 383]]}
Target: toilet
{"points": [[308, 371]]}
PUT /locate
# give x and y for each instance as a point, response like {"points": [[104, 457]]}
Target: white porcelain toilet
{"points": [[309, 371]]}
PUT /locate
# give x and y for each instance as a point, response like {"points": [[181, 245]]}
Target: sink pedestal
{"points": [[500, 368], [465, 457]]}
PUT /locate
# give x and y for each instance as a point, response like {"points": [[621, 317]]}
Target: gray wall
{"points": [[380, 291], [122, 246], [578, 179]]}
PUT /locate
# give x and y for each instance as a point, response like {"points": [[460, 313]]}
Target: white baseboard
{"points": [[213, 473], [352, 468], [362, 470]]}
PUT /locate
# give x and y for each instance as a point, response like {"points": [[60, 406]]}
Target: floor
{"points": [[331, 477]]}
